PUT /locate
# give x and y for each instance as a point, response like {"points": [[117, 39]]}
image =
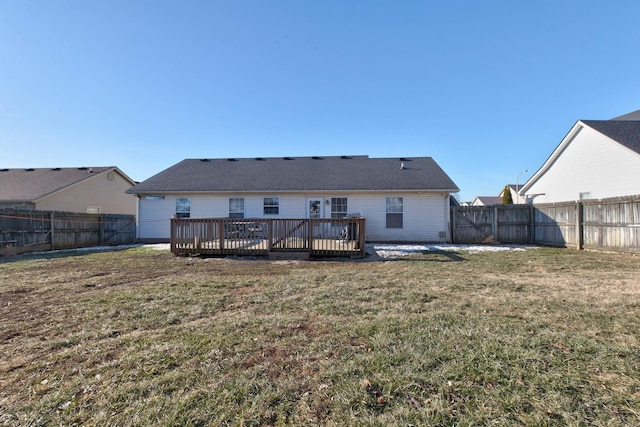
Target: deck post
{"points": [[173, 236], [221, 234]]}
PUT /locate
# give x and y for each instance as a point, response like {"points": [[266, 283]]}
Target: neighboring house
{"points": [[486, 201], [404, 199], [513, 189], [84, 189], [597, 159]]}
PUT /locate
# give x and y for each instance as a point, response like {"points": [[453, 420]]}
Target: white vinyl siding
{"points": [[591, 163], [424, 215], [154, 218]]}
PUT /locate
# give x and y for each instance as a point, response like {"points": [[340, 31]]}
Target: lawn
{"points": [[140, 337]]}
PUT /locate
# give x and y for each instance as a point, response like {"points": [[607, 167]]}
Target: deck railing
{"points": [[259, 236]]}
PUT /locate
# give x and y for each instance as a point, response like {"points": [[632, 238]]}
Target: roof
{"points": [[488, 200], [625, 132], [634, 115], [28, 185], [286, 174]]}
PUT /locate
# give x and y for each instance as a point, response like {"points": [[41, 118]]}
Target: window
{"points": [[154, 197], [338, 207], [271, 206], [236, 207], [183, 207], [394, 212]]}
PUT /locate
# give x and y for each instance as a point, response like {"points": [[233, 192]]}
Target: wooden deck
{"points": [[228, 236]]}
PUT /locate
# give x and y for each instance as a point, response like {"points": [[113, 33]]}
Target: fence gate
{"points": [[471, 225], [488, 224]]}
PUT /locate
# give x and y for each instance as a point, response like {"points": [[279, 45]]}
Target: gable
{"points": [[31, 184], [624, 132], [335, 173]]}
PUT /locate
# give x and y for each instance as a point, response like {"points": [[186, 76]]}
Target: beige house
{"points": [[84, 189]]}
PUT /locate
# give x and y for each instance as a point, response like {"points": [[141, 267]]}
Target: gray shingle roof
{"points": [[625, 132], [26, 185], [335, 173], [489, 200]]}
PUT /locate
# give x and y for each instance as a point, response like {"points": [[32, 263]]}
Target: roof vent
{"points": [[401, 165], [82, 169], [4, 170], [317, 158], [345, 157], [260, 159], [56, 169], [288, 158], [29, 170], [232, 160], [205, 160]]}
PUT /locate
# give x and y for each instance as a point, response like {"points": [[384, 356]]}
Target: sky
{"points": [[486, 88]]}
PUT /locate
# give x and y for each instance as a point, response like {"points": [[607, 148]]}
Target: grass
{"points": [[139, 337]]}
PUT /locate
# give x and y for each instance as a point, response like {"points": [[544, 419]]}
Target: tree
{"points": [[506, 196]]}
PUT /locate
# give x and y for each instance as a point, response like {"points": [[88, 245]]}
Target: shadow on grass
{"points": [[61, 253], [432, 256]]}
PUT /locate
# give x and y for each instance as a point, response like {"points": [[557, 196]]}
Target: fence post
{"points": [[494, 224], [452, 223], [52, 227], [101, 225], [579, 226], [532, 224]]}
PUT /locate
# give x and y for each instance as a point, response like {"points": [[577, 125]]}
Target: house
{"points": [[83, 189], [486, 201], [402, 199], [596, 159], [514, 189]]}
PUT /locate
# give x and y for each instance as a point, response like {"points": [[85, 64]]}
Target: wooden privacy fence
{"points": [[606, 224], [231, 236], [28, 231]]}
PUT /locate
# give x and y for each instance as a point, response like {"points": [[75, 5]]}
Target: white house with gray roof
{"points": [[597, 159], [402, 199]]}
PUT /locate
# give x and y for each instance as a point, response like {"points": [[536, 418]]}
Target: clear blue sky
{"points": [[486, 88]]}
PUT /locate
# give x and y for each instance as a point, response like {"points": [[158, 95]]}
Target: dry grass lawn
{"points": [[140, 337]]}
